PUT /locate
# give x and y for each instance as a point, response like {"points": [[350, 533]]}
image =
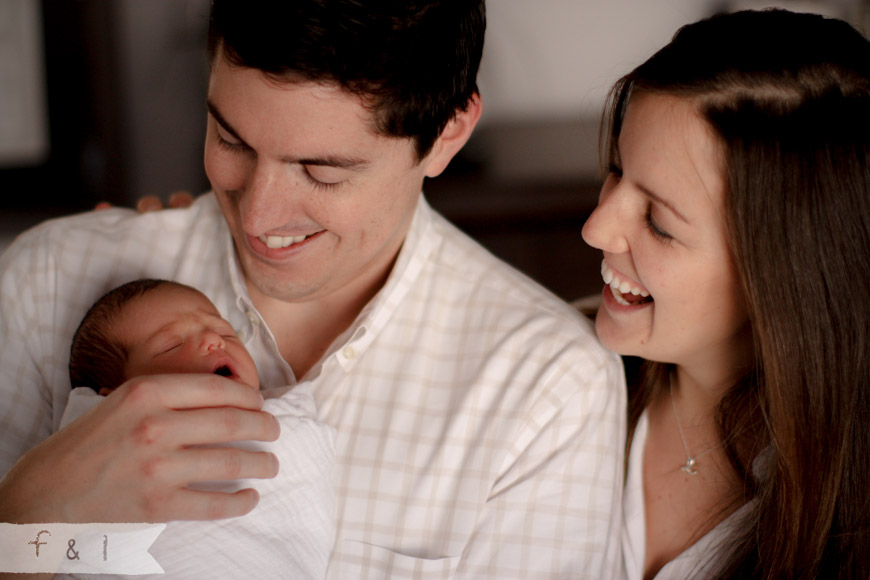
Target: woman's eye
{"points": [[657, 232]]}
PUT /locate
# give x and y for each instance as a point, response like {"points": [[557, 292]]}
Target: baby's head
{"points": [[149, 327]]}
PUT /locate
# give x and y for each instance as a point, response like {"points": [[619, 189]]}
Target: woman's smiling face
{"points": [[671, 292]]}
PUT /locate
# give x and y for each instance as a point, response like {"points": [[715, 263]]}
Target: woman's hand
{"points": [[178, 200]]}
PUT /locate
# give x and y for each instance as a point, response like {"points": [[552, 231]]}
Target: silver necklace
{"points": [[689, 467]]}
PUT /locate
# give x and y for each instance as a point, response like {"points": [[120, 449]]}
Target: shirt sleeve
{"points": [[25, 323], [555, 510]]}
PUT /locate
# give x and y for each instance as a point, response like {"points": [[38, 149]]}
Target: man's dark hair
{"points": [[414, 62], [98, 355]]}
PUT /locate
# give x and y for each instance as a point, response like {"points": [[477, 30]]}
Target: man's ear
{"points": [[454, 137]]}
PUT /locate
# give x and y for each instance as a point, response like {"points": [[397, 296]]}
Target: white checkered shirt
{"points": [[480, 423]]}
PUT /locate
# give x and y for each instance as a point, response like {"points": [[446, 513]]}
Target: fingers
{"points": [[133, 456], [166, 495], [180, 199], [178, 429], [220, 425], [225, 463], [195, 466], [172, 411], [177, 200], [208, 505], [189, 391], [149, 203]]}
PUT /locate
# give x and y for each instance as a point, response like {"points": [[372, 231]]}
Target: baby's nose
{"points": [[211, 341]]}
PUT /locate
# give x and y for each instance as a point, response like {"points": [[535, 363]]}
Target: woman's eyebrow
{"points": [[660, 200]]}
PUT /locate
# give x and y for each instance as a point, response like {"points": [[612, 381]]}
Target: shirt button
{"points": [[348, 352], [253, 318]]}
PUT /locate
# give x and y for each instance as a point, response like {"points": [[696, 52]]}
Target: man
{"points": [[480, 424]]}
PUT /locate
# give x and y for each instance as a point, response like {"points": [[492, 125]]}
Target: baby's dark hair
{"points": [[98, 355]]}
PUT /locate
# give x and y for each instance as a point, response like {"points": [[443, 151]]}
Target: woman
{"points": [[735, 226]]}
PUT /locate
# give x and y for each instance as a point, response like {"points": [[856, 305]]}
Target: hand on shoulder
{"points": [[177, 200]]}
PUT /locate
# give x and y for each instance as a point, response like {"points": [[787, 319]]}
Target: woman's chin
{"points": [[621, 338]]}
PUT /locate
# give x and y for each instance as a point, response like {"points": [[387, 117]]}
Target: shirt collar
{"points": [[418, 245], [353, 343]]}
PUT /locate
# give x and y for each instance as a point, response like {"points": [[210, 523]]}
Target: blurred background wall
{"points": [[104, 100]]}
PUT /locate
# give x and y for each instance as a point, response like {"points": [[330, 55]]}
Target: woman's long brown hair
{"points": [[789, 95]]}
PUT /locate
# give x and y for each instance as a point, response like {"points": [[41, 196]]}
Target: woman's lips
{"points": [[623, 290]]}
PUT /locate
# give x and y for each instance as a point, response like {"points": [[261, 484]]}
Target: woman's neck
{"points": [[689, 483]]}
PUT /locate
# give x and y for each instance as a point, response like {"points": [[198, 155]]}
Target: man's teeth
{"points": [[618, 287], [281, 241]]}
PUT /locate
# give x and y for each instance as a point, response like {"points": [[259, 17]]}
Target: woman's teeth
{"points": [[281, 241], [620, 288]]}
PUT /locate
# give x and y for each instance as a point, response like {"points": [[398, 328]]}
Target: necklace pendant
{"points": [[689, 467]]}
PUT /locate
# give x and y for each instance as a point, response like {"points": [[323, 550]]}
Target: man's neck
{"points": [[304, 330]]}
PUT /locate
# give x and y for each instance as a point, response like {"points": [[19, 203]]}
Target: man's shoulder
{"points": [[471, 265], [492, 300], [118, 223], [111, 232], [523, 337], [80, 257]]}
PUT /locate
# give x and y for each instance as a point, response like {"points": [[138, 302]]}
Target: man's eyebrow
{"points": [[659, 199], [341, 162], [213, 111], [352, 163]]}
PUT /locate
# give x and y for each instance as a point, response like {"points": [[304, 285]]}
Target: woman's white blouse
{"points": [[695, 562]]}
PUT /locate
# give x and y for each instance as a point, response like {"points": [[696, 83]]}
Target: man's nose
{"points": [[271, 198]]}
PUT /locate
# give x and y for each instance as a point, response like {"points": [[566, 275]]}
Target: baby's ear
{"points": [[105, 391]]}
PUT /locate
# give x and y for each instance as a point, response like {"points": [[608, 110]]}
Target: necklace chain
{"points": [[689, 466]]}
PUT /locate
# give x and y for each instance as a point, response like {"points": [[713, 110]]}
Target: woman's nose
{"points": [[607, 226]]}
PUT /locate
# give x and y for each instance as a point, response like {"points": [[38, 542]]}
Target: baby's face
{"points": [[178, 330]]}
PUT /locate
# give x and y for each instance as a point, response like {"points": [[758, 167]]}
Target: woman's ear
{"points": [[453, 137]]}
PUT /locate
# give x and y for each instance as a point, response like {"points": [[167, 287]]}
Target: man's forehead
{"points": [[325, 90]]}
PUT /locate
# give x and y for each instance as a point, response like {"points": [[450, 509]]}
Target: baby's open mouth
{"points": [[623, 291], [223, 371]]}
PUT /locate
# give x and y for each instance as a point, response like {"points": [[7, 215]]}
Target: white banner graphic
{"points": [[79, 548]]}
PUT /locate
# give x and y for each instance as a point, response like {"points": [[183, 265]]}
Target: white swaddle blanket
{"points": [[291, 531]]}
